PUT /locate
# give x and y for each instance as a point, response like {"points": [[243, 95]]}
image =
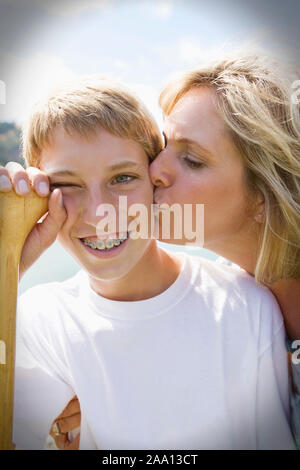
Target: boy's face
{"points": [[91, 172]]}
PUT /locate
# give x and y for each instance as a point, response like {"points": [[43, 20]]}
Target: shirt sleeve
{"points": [[41, 392], [273, 406]]}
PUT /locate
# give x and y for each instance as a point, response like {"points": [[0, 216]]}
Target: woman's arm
{"points": [[65, 425]]}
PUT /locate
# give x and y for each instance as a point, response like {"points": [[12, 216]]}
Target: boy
{"points": [[131, 333]]}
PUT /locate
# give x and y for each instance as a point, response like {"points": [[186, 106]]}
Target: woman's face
{"points": [[201, 165]]}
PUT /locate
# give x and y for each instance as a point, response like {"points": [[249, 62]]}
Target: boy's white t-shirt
{"points": [[203, 365]]}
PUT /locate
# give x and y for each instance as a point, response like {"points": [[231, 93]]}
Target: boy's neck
{"points": [[156, 272]]}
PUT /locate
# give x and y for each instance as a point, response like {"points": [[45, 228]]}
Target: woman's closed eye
{"points": [[191, 163]]}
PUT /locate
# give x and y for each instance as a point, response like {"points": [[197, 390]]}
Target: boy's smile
{"points": [[91, 171]]}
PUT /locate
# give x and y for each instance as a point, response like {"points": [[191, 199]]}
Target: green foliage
{"points": [[10, 140]]}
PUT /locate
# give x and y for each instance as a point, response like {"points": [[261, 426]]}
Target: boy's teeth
{"points": [[105, 245], [101, 245], [109, 243]]}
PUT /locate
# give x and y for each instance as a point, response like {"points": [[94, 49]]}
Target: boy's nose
{"points": [[91, 211], [160, 171]]}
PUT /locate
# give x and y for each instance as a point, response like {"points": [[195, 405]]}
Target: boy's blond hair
{"points": [[83, 105], [255, 101]]}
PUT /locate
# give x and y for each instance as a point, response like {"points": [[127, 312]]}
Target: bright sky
{"points": [[140, 42]]}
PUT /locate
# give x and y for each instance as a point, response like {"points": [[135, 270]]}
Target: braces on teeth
{"points": [[105, 245]]}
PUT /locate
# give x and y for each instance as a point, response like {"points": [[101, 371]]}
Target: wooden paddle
{"points": [[18, 215]]}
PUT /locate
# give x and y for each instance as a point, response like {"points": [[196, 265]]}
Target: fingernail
{"points": [[43, 187], [60, 200], [5, 182], [22, 187]]}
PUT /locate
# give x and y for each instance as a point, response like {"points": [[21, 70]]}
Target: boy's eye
{"points": [[123, 179]]}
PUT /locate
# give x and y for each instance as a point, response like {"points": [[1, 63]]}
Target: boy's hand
{"points": [[14, 176], [67, 421]]}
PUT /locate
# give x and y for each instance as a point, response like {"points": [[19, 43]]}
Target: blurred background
{"points": [[142, 43]]}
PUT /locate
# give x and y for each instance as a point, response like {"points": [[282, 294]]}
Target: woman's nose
{"points": [[160, 171]]}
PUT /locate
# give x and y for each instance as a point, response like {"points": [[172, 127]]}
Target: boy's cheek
{"points": [[143, 196], [74, 209], [64, 236], [71, 203]]}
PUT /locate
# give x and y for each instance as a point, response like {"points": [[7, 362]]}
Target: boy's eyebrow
{"points": [[124, 165], [117, 166], [61, 173]]}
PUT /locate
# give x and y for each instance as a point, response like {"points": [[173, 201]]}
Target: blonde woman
{"points": [[237, 118], [238, 115], [231, 128]]}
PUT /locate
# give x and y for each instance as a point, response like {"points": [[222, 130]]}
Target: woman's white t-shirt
{"points": [[203, 365]]}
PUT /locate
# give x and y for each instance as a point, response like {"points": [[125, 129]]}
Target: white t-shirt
{"points": [[203, 365]]}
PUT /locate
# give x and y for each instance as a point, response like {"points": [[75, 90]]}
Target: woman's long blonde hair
{"points": [[256, 100]]}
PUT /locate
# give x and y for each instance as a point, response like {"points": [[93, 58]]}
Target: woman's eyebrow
{"points": [[184, 140], [194, 143]]}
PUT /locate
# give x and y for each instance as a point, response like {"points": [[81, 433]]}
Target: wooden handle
{"points": [[18, 215]]}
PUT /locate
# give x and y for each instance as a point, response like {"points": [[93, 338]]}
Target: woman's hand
{"points": [[14, 176], [67, 421]]}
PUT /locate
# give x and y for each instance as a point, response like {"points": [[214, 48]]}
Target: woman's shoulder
{"points": [[239, 287], [241, 302]]}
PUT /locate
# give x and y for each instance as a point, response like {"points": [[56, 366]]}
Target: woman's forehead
{"points": [[196, 110]]}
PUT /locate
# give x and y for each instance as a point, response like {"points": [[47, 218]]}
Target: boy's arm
{"points": [[14, 177]]}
